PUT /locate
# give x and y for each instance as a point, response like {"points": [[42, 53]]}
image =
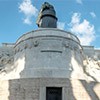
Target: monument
{"points": [[47, 16], [49, 64]]}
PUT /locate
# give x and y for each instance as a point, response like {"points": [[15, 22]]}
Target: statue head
{"points": [[47, 6], [47, 16]]}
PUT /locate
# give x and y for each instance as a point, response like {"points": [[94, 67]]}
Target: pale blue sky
{"points": [[81, 17]]}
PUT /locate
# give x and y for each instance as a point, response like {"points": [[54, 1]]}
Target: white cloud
{"points": [[84, 30], [79, 1], [60, 25], [93, 14], [27, 21], [29, 11]]}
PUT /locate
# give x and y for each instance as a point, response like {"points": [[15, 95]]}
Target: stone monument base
{"points": [[36, 89]]}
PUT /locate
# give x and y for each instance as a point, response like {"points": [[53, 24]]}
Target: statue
{"points": [[47, 16]]}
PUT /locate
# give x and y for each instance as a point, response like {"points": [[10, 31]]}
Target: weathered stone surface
{"points": [[51, 53], [49, 58], [6, 56], [32, 89]]}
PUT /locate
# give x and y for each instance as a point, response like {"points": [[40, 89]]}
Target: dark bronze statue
{"points": [[47, 16]]}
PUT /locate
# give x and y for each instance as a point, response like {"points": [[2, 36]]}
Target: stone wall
{"points": [[91, 52], [49, 53], [6, 56], [49, 58], [35, 89]]}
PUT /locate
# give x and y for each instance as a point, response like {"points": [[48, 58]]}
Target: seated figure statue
{"points": [[47, 16]]}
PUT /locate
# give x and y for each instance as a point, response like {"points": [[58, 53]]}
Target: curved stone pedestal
{"points": [[49, 52]]}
